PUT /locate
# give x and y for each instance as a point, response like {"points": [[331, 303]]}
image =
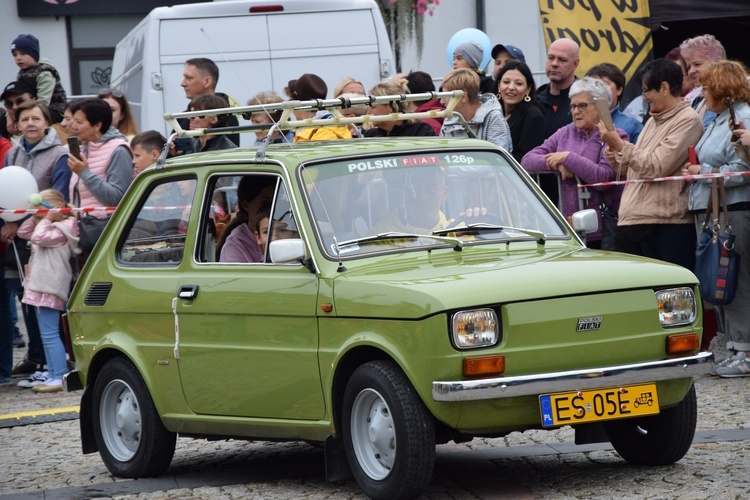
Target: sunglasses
{"points": [[10, 103], [110, 92]]}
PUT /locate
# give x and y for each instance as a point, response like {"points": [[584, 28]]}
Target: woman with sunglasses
{"points": [[122, 117], [575, 154]]}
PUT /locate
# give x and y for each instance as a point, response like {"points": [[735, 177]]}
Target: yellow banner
{"points": [[613, 31]]}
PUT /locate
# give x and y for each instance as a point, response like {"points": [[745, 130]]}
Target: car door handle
{"points": [[188, 291]]}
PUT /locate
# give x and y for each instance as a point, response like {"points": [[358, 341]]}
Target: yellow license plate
{"points": [[570, 408]]}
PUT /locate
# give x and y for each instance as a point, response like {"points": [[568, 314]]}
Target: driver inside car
{"points": [[419, 209]]}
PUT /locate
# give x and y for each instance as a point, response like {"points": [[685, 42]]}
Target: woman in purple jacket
{"points": [[575, 154]]}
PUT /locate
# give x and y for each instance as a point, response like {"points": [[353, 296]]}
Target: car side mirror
{"points": [[287, 250], [585, 221]]}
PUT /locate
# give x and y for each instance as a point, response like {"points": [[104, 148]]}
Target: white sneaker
{"points": [[50, 385], [36, 379]]}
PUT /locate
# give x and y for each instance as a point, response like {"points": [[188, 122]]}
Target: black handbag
{"points": [[610, 232], [717, 264], [90, 228]]}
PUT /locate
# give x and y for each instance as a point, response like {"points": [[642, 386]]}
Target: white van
{"points": [[257, 44]]}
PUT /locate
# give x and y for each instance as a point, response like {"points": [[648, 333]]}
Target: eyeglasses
{"points": [[10, 103], [580, 107], [110, 92]]}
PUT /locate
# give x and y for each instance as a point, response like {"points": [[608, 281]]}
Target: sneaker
{"points": [[6, 381], [18, 341], [25, 368], [739, 366], [36, 379], [51, 385], [726, 361]]}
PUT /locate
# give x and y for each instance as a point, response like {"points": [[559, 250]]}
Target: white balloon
{"points": [[16, 185]]}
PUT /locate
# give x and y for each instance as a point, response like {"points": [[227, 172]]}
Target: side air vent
{"points": [[98, 294]]}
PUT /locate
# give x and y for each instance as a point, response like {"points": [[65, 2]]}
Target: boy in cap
{"points": [[42, 75], [503, 54], [470, 55], [305, 88]]}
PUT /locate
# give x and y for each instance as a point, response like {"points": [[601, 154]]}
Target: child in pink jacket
{"points": [[54, 240]]}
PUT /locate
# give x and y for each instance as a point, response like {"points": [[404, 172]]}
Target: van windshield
{"points": [[367, 205]]}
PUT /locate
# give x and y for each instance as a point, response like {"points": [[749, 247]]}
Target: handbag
{"points": [[610, 230], [89, 230], [717, 264], [89, 227]]}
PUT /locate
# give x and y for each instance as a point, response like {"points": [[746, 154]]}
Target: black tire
{"points": [[661, 439], [129, 434], [389, 435]]}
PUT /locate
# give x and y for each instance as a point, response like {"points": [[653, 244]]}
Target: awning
{"points": [[665, 11]]}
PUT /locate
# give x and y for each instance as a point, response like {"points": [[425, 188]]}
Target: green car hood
{"points": [[415, 285]]}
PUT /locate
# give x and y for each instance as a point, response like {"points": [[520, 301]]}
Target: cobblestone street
{"points": [[43, 460]]}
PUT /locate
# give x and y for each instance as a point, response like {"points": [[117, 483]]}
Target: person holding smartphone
{"points": [[104, 169], [725, 91]]}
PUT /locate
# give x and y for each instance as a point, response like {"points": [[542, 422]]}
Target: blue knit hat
{"points": [[28, 44]]}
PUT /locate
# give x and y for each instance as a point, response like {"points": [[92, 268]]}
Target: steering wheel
{"points": [[488, 218]]}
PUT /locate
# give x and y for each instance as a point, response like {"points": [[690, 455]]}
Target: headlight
{"points": [[477, 328], [676, 306]]}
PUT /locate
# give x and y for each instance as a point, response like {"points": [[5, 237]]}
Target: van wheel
{"points": [[389, 436], [129, 434], [661, 439]]}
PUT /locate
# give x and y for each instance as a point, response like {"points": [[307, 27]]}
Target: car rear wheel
{"points": [[656, 440], [129, 434], [389, 436]]}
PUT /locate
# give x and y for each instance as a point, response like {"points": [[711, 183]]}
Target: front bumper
{"points": [[593, 378]]}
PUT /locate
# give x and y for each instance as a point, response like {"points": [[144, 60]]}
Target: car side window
{"points": [[156, 232]]}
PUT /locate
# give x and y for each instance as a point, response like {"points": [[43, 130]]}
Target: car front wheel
{"points": [[131, 438], [388, 434], [661, 439]]}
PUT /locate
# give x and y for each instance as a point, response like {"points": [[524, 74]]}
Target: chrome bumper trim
{"points": [[72, 381], [596, 378]]}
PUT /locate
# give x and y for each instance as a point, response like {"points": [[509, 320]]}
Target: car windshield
{"points": [[404, 201]]}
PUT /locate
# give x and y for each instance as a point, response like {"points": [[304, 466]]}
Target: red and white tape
{"points": [[663, 179], [68, 210]]}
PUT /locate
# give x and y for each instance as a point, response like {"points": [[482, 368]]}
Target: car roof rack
{"points": [[287, 120]]}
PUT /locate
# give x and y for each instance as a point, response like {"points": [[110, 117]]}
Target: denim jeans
{"points": [[49, 327], [35, 350]]}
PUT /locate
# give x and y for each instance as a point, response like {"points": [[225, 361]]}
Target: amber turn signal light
{"points": [[683, 342], [484, 365]]}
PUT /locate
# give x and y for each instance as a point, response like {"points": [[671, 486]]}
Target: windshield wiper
{"points": [[395, 235], [478, 227]]}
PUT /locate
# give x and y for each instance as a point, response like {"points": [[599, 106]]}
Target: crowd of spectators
{"points": [[554, 131]]}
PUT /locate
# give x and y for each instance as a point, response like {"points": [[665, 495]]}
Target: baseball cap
{"points": [[514, 51], [18, 87]]}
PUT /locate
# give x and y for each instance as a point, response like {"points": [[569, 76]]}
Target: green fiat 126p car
{"points": [[377, 296]]}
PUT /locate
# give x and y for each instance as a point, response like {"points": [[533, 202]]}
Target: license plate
{"points": [[569, 408]]}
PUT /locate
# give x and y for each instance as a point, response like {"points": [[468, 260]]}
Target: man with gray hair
{"points": [[699, 52]]}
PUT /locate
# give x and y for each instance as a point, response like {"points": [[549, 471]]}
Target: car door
{"points": [[248, 335]]}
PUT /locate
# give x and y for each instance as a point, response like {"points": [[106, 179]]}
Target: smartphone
{"points": [[184, 144], [731, 111], [604, 114], [74, 147], [692, 156]]}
